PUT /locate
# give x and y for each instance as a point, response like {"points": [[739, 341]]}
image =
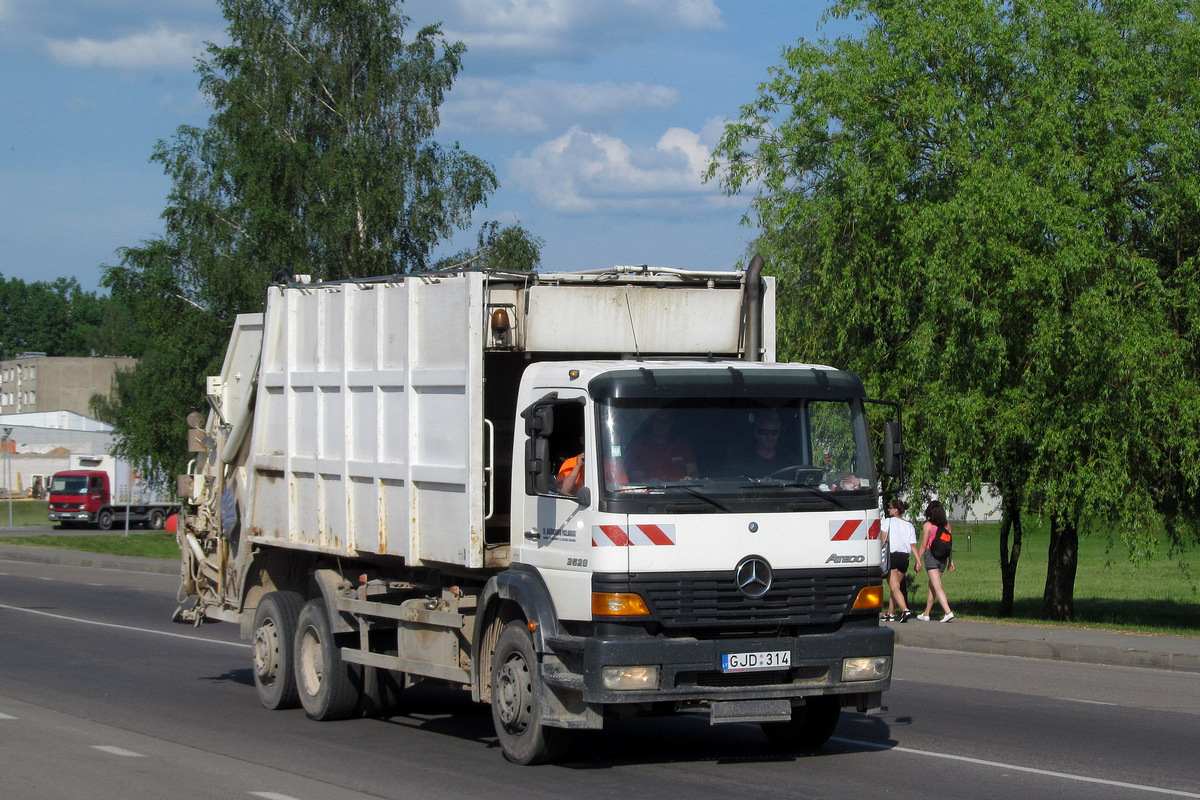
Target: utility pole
{"points": [[8, 471]]}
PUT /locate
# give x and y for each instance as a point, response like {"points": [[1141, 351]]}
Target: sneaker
{"points": [[923, 617], [904, 616], [949, 617], [888, 617]]}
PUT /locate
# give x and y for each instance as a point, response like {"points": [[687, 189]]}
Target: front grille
{"points": [[712, 599]]}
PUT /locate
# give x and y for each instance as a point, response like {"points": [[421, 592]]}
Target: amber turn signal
{"points": [[869, 597], [618, 604]]}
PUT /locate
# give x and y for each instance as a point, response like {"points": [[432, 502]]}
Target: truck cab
{"points": [[729, 539], [77, 496]]}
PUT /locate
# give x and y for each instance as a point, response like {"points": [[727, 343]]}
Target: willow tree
{"points": [[318, 159], [988, 208]]}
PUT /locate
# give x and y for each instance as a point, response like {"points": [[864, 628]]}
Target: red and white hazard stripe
{"points": [[846, 530], [632, 535]]}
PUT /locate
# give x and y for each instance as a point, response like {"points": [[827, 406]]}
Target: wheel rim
{"points": [[312, 662], [266, 652], [515, 703]]}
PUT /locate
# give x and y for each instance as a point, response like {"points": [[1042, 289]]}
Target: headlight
{"points": [[868, 668], [623, 679]]}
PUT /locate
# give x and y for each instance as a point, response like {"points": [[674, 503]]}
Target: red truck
{"points": [[94, 494]]}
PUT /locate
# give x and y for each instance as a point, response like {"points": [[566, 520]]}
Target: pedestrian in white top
{"points": [[900, 540]]}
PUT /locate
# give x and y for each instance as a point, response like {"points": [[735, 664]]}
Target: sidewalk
{"points": [[1056, 643], [1053, 642]]}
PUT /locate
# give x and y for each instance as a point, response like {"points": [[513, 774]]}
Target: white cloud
{"points": [[582, 171], [158, 48], [519, 31], [539, 105]]}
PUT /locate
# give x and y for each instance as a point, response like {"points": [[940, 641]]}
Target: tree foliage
{"points": [[506, 249], [318, 159], [987, 208], [60, 319]]}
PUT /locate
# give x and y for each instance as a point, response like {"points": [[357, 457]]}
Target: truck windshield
{"points": [[708, 440], [69, 484]]}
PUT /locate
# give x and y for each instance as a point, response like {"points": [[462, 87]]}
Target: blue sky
{"points": [[598, 117]]}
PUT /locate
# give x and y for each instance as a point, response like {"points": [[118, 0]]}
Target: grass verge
{"points": [[25, 513], [143, 545], [1156, 596]]}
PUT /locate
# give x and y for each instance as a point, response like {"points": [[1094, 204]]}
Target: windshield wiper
{"points": [[694, 492]]}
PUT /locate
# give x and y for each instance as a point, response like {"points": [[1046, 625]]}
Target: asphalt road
{"points": [[101, 696]]}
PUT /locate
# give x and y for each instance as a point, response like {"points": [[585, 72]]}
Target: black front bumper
{"points": [[690, 669]]}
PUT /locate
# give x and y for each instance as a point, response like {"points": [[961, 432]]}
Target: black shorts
{"points": [[898, 561]]}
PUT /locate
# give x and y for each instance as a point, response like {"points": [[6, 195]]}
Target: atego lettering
{"points": [[836, 559]]}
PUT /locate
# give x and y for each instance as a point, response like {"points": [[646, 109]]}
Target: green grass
{"points": [[32, 513], [1110, 591], [144, 545], [25, 513]]}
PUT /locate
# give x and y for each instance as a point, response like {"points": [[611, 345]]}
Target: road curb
{"points": [[80, 558], [1081, 645]]}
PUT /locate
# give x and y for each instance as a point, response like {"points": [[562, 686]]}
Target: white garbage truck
{"points": [[395, 484]]}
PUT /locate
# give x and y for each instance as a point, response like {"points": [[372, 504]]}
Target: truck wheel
{"points": [[155, 520], [326, 688], [810, 727], [104, 520], [274, 635], [517, 692]]}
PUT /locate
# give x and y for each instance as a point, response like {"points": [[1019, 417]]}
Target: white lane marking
{"points": [[1018, 768], [6, 716], [124, 627], [272, 796], [1089, 702], [117, 751]]}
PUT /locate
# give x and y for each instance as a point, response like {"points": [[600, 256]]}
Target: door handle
{"points": [[531, 535]]}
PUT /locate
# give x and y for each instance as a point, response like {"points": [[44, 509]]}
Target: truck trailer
{"points": [[104, 491], [394, 485]]}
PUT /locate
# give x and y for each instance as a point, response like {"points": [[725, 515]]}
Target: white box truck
{"points": [[394, 485], [107, 492]]}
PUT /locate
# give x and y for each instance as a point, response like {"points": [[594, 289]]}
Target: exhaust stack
{"points": [[754, 310]]}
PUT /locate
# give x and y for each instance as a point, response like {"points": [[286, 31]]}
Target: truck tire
{"points": [[517, 696], [155, 520], [104, 520], [327, 690], [810, 727], [274, 637]]}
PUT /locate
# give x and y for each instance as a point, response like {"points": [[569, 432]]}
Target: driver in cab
{"points": [[764, 455]]}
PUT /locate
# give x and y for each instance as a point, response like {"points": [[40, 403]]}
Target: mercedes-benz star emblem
{"points": [[753, 577]]}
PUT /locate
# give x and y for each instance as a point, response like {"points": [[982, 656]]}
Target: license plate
{"points": [[748, 662]]}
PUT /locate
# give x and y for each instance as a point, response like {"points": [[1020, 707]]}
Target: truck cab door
{"points": [[555, 531]]}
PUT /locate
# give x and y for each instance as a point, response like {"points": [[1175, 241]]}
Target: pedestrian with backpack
{"points": [[935, 554]]}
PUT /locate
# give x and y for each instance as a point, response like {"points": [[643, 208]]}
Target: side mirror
{"points": [[537, 466], [893, 451], [539, 420]]}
